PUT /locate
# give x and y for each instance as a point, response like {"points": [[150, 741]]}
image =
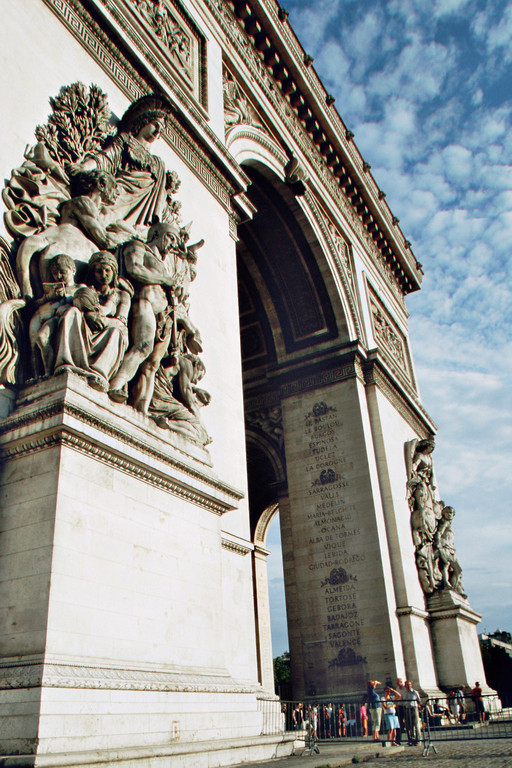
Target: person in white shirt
{"points": [[412, 702]]}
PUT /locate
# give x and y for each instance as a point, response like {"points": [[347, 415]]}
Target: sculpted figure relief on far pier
{"points": [[97, 278], [432, 533]]}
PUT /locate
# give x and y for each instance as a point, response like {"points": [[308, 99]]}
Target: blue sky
{"points": [[426, 87]]}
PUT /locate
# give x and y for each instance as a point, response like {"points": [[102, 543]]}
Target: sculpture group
{"points": [[97, 280], [431, 522]]}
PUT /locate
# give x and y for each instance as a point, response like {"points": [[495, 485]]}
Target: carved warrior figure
{"points": [[436, 559], [162, 270], [96, 225], [79, 233]]}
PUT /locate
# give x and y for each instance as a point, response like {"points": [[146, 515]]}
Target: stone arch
{"points": [[250, 145], [259, 154]]}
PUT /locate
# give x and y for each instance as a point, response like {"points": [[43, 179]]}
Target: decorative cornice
{"points": [[252, 34], [52, 675], [404, 399], [306, 382], [448, 604], [304, 374], [411, 610], [233, 546], [38, 437]]}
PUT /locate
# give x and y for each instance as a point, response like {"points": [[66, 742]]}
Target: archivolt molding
{"points": [[282, 92], [249, 144], [266, 517], [345, 270], [272, 449]]}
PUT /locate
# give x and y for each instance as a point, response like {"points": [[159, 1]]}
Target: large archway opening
{"points": [[286, 317]]}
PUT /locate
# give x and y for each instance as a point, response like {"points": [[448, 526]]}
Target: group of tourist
{"points": [[399, 708], [398, 712]]}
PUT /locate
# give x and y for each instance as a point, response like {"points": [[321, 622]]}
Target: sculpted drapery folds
{"points": [[102, 265], [432, 534]]}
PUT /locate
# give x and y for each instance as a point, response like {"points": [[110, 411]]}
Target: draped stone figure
{"points": [[141, 176], [436, 559]]}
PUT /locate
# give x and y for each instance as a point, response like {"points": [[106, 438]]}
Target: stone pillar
{"points": [[342, 612], [111, 631], [390, 430], [263, 629]]}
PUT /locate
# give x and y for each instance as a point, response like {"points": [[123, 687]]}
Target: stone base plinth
{"points": [[111, 634], [200, 754], [455, 640]]}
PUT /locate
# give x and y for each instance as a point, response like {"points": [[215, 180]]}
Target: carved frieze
{"points": [[268, 420], [391, 340], [55, 675], [237, 108], [173, 29]]}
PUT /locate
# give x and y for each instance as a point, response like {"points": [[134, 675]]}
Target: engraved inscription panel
{"points": [[337, 563]]}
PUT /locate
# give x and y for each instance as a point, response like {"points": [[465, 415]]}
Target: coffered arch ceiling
{"points": [[284, 294]]}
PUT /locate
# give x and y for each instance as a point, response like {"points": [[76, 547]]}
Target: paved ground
{"points": [[481, 753]]}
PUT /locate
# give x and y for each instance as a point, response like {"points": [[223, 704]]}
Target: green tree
{"points": [[282, 675], [498, 664]]}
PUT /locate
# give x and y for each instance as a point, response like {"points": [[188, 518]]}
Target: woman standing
{"points": [[391, 722]]}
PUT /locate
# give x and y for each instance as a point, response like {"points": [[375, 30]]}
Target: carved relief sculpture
{"points": [[103, 269], [432, 534], [237, 109], [169, 31]]}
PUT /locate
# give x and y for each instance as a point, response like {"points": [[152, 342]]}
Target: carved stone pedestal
{"points": [[111, 606], [455, 640]]}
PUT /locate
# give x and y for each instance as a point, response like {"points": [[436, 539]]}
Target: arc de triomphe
{"points": [[163, 398]]}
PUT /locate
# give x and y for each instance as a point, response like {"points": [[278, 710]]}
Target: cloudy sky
{"points": [[426, 86]]}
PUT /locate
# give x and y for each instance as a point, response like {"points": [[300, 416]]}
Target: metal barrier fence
{"points": [[445, 719], [457, 718]]}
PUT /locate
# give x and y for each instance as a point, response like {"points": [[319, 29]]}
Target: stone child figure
{"points": [[57, 297], [93, 334]]}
